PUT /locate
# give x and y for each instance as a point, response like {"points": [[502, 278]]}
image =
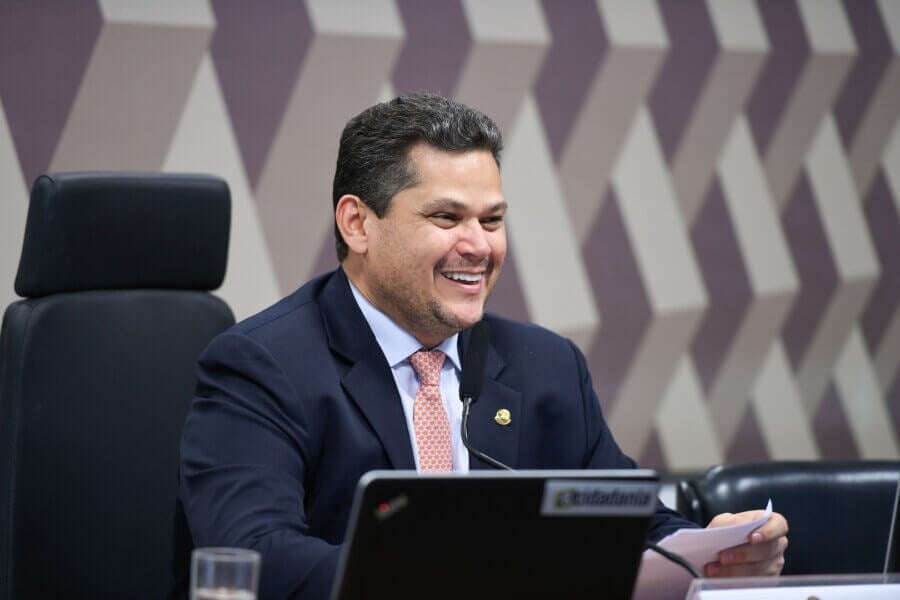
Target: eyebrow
{"points": [[450, 204]]}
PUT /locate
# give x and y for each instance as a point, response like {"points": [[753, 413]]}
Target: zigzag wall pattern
{"points": [[705, 195]]}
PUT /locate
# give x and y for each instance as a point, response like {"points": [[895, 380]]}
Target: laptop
{"points": [[496, 534], [892, 556]]}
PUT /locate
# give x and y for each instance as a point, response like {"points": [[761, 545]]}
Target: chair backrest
{"points": [[96, 374], [839, 513]]}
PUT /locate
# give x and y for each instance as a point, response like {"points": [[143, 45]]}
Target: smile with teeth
{"points": [[467, 278]]}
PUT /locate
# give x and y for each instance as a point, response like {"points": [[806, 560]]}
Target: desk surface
{"points": [[820, 587]]}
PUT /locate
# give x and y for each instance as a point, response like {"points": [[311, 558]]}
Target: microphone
{"points": [[472, 377], [470, 382]]}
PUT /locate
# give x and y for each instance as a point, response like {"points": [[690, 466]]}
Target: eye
{"points": [[445, 219], [492, 223]]}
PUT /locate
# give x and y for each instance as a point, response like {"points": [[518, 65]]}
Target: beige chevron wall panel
{"points": [[509, 39], [637, 41], [295, 202], [783, 421], [685, 425], [770, 271], [886, 354], [538, 207], [675, 290], [179, 13], [131, 96], [13, 208], [855, 261], [204, 143], [865, 150], [704, 195], [862, 401], [743, 46], [833, 50]]}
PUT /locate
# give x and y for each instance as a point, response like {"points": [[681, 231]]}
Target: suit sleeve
{"points": [[243, 467], [604, 452]]}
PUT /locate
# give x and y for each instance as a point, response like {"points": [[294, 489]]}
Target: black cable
{"points": [[678, 560]]}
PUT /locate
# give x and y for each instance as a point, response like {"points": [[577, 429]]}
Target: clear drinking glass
{"points": [[224, 574]]}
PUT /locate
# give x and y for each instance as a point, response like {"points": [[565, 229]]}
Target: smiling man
{"points": [[430, 262], [359, 369]]}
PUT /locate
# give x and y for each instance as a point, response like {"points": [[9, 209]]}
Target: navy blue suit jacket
{"points": [[294, 404]]}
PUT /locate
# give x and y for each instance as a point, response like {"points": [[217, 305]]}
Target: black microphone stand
{"points": [[467, 405]]}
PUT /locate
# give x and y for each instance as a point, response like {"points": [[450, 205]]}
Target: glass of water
{"points": [[224, 574]]}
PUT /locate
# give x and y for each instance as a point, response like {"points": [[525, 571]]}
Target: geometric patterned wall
{"points": [[704, 195]]}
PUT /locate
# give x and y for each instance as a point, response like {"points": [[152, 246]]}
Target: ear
{"points": [[350, 215]]}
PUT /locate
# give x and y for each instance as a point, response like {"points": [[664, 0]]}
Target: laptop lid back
{"points": [[498, 534]]}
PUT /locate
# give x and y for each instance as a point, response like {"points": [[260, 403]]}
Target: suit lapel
{"points": [[368, 380], [485, 432], [370, 385]]}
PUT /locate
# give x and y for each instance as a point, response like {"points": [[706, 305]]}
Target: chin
{"points": [[468, 319], [459, 315]]}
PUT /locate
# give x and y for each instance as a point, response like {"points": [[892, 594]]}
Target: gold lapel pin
{"points": [[503, 417]]}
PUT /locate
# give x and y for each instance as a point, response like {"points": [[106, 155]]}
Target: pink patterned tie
{"points": [[429, 417]]}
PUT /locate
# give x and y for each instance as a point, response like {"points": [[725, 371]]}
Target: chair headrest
{"points": [[99, 230]]}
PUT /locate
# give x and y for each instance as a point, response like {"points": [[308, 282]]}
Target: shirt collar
{"points": [[396, 343]]}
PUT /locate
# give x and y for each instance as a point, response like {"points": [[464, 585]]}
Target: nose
{"points": [[474, 241]]}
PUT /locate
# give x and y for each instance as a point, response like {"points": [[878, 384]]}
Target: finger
{"points": [[776, 526], [773, 566], [751, 553], [723, 520]]}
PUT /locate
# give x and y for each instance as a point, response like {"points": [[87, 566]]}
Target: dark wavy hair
{"points": [[373, 159]]}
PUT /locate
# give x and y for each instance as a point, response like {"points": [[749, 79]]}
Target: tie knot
{"points": [[427, 364]]}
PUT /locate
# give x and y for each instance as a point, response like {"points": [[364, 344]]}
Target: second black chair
{"points": [[839, 513]]}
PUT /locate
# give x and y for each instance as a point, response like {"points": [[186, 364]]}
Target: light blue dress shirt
{"points": [[397, 345]]}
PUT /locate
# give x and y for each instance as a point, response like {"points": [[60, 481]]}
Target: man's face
{"points": [[434, 257]]}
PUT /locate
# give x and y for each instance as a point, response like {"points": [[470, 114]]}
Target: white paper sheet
{"points": [[661, 579]]}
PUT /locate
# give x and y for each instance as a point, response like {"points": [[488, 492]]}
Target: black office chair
{"points": [[96, 374], [839, 513]]}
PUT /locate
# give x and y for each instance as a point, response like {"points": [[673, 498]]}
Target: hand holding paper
{"points": [[723, 548], [763, 554]]}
